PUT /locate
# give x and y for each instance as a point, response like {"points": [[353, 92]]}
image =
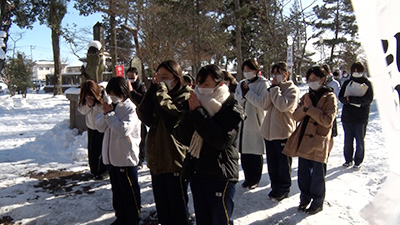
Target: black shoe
{"points": [[347, 164], [279, 197], [314, 209], [252, 186], [245, 184], [271, 193], [302, 207], [118, 222]]}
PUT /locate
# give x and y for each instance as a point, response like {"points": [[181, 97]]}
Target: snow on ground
{"points": [[44, 175]]}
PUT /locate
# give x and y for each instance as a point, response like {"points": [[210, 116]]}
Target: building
{"points": [[42, 68]]}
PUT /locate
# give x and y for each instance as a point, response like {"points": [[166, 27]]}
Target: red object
{"points": [[119, 70]]}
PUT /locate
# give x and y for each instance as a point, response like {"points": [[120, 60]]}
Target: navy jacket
{"points": [[354, 114]]}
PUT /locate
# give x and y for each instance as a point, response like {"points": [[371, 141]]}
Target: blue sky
{"points": [[40, 37]]}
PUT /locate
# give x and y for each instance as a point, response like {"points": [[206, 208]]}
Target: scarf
{"points": [[212, 104]]}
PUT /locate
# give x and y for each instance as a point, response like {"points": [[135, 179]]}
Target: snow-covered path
{"points": [[35, 139]]}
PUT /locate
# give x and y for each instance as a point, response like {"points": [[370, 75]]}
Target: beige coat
{"points": [[280, 103], [317, 139]]}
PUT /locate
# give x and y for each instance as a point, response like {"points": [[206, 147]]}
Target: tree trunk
{"points": [[55, 25], [336, 31], [5, 23], [113, 47], [238, 30]]}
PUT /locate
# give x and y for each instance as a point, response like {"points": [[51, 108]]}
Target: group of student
{"points": [[197, 134]]}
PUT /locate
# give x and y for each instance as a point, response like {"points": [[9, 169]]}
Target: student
{"points": [[250, 142], [210, 127], [280, 100], [312, 140], [121, 128], [90, 105], [355, 114], [230, 81], [161, 109], [138, 90]]}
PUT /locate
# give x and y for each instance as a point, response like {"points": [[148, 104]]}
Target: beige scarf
{"points": [[212, 104]]}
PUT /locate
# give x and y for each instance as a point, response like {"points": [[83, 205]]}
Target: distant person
{"points": [[280, 100], [138, 89], [356, 95], [230, 81], [161, 110], [312, 140], [188, 80], [336, 76], [330, 81], [250, 141], [345, 76], [210, 127], [121, 128], [91, 104]]}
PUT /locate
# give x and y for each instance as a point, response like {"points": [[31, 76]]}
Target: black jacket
{"points": [[139, 90], [354, 114], [219, 155]]}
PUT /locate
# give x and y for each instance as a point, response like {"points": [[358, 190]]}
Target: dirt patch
{"points": [[61, 182], [7, 220]]}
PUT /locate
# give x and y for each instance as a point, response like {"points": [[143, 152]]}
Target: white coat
{"points": [[121, 140], [250, 141], [280, 103], [90, 114]]}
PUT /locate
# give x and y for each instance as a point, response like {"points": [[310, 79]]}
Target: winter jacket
{"points": [[331, 82], [354, 114], [138, 92], [90, 114], [218, 156], [280, 103], [121, 140], [315, 140], [161, 110], [250, 140]]}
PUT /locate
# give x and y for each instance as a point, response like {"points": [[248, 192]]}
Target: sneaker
{"points": [[357, 167], [347, 164]]}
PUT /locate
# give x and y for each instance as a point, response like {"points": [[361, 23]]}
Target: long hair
{"points": [[174, 68], [90, 88], [119, 86]]}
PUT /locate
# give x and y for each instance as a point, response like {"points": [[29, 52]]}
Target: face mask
{"points": [[169, 84], [131, 80], [279, 78], [205, 91], [357, 75], [315, 85], [249, 75], [115, 99]]}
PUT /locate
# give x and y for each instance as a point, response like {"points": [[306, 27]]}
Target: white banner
{"points": [[379, 29]]}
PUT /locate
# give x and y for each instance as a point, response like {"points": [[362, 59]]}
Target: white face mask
{"points": [[169, 84], [205, 91], [279, 78], [249, 75], [131, 80], [315, 85], [115, 99], [357, 75]]}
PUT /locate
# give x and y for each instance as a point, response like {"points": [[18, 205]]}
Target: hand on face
{"points": [[89, 101], [107, 108]]}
